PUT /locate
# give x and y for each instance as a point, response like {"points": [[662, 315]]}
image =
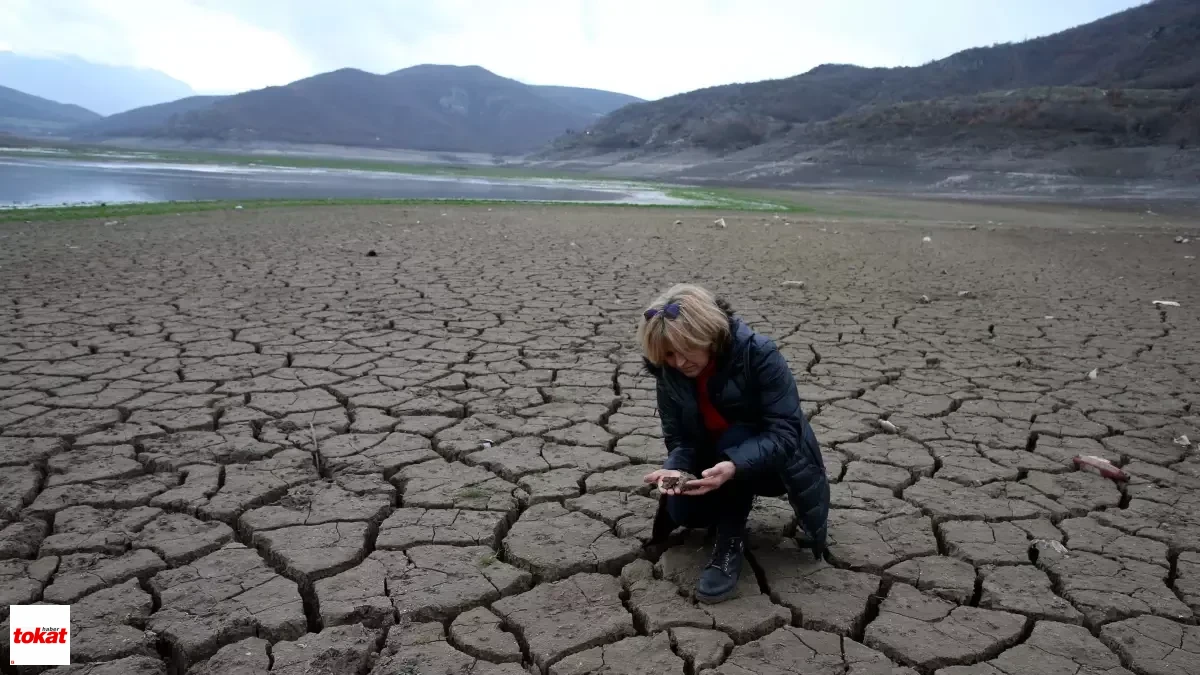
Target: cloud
{"points": [[208, 49], [650, 48]]}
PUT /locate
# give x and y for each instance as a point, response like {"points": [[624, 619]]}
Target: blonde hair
{"points": [[701, 324]]}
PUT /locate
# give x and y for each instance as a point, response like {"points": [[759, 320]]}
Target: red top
{"points": [[713, 421]]}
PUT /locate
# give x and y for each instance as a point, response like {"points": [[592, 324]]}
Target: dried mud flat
{"points": [[237, 443]]}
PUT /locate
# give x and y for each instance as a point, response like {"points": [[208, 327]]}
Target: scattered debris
{"points": [[927, 239], [1101, 466], [719, 222], [1093, 373], [1166, 303], [1183, 440], [889, 427], [966, 294], [796, 284], [1050, 543], [924, 300], [371, 253]]}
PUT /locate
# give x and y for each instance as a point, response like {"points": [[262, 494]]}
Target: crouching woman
{"points": [[733, 428]]}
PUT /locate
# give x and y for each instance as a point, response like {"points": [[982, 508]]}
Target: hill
{"points": [[29, 115], [1150, 47], [102, 88], [136, 121], [594, 102], [428, 107]]}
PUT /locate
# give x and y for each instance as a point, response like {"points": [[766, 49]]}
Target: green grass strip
{"points": [[700, 200]]}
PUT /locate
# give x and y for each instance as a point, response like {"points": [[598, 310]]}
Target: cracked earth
{"points": [[235, 443]]}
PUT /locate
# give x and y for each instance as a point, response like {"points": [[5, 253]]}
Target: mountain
{"points": [[427, 107], [104, 89], [594, 102], [136, 121], [29, 115], [1149, 47]]}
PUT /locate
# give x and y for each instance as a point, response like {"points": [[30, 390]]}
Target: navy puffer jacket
{"points": [[751, 384]]}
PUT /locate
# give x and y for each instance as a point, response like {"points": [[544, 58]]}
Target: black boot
{"points": [[718, 581]]}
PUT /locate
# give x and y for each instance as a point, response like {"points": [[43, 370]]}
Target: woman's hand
{"points": [[712, 478], [657, 476]]}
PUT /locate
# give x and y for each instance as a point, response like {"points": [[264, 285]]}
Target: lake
{"points": [[37, 181]]}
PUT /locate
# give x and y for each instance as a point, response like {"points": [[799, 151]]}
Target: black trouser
{"points": [[727, 507]]}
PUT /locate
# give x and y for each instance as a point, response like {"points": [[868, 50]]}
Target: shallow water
{"points": [[38, 181]]}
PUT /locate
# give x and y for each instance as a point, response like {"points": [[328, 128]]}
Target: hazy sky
{"points": [[649, 48]]}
